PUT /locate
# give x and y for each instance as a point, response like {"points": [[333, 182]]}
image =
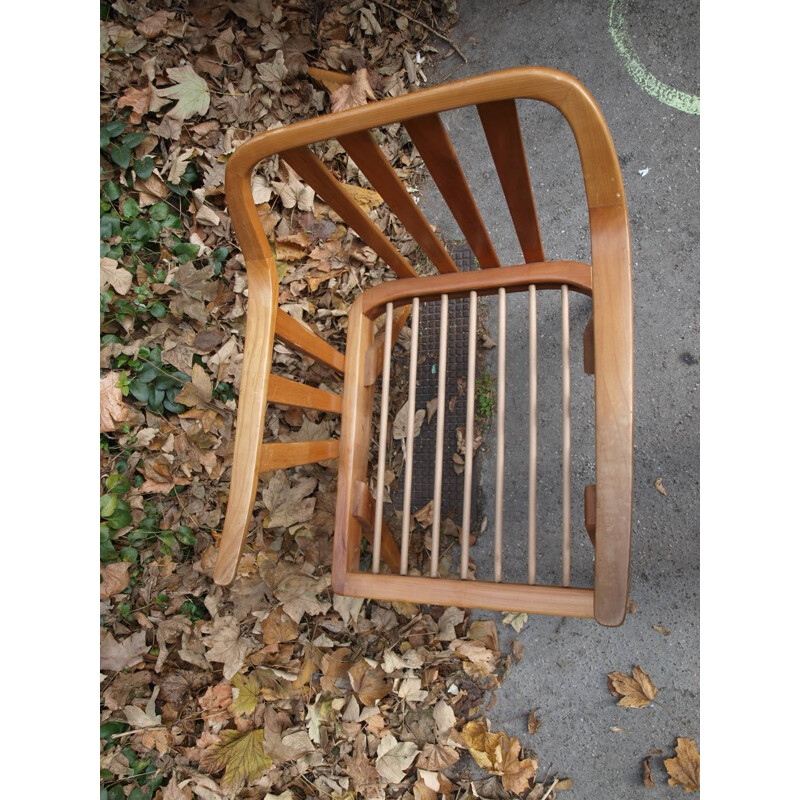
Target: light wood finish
{"points": [[439, 458], [469, 436], [411, 411], [613, 362], [328, 78], [547, 275], [501, 434], [319, 177], [379, 536], [353, 448], [297, 335], [281, 455], [384, 424], [566, 446], [369, 157], [291, 393], [375, 354], [607, 280], [504, 136], [433, 144], [533, 430], [559, 601]]}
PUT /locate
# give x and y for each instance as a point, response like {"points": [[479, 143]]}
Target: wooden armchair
{"points": [[608, 350]]}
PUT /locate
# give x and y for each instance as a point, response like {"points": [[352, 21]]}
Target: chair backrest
{"points": [[494, 96]]}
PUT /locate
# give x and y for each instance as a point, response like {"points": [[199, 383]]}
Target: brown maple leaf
{"points": [[353, 94], [368, 682], [129, 652], [499, 754], [634, 691], [115, 579], [684, 768]]}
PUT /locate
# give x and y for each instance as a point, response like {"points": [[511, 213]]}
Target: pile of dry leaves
{"points": [[272, 687]]}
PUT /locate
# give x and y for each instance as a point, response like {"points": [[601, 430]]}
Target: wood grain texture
{"points": [[298, 336], [354, 445], [547, 275], [431, 140], [504, 137], [291, 393], [281, 455], [556, 600], [613, 342]]}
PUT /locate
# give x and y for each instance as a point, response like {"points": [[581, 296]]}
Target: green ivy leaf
{"points": [[130, 208], [108, 504], [112, 190], [120, 155], [159, 211], [111, 131], [144, 167], [185, 251]]}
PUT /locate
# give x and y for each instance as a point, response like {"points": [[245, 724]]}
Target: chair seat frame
{"points": [[609, 350]]}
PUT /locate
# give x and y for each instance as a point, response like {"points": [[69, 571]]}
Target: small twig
{"points": [[422, 24], [552, 787], [128, 733], [450, 75]]}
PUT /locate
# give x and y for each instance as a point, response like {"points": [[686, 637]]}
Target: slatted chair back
{"points": [[607, 342]]}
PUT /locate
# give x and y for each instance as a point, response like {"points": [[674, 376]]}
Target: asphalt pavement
{"points": [[641, 63]]}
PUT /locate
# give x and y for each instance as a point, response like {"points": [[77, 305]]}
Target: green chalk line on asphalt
{"points": [[618, 28]]}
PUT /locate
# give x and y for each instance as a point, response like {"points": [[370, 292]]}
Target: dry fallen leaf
{"points": [[516, 620], [647, 774], [660, 486], [635, 691], [368, 682], [353, 94], [684, 768], [241, 755], [400, 425], [190, 90], [115, 579], [394, 758], [128, 653], [247, 689], [499, 754], [226, 644], [116, 277], [113, 411], [533, 723], [366, 198]]}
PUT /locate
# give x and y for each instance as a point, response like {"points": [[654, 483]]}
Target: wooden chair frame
{"points": [[607, 342]]}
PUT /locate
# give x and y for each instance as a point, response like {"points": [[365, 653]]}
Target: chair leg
{"points": [[248, 441]]}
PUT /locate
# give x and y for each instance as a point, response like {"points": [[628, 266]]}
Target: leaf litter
{"points": [[272, 687]]}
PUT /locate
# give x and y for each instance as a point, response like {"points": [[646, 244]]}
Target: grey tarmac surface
{"points": [[584, 734]]}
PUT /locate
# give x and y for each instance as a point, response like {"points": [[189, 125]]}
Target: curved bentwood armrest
{"points": [[611, 288]]}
